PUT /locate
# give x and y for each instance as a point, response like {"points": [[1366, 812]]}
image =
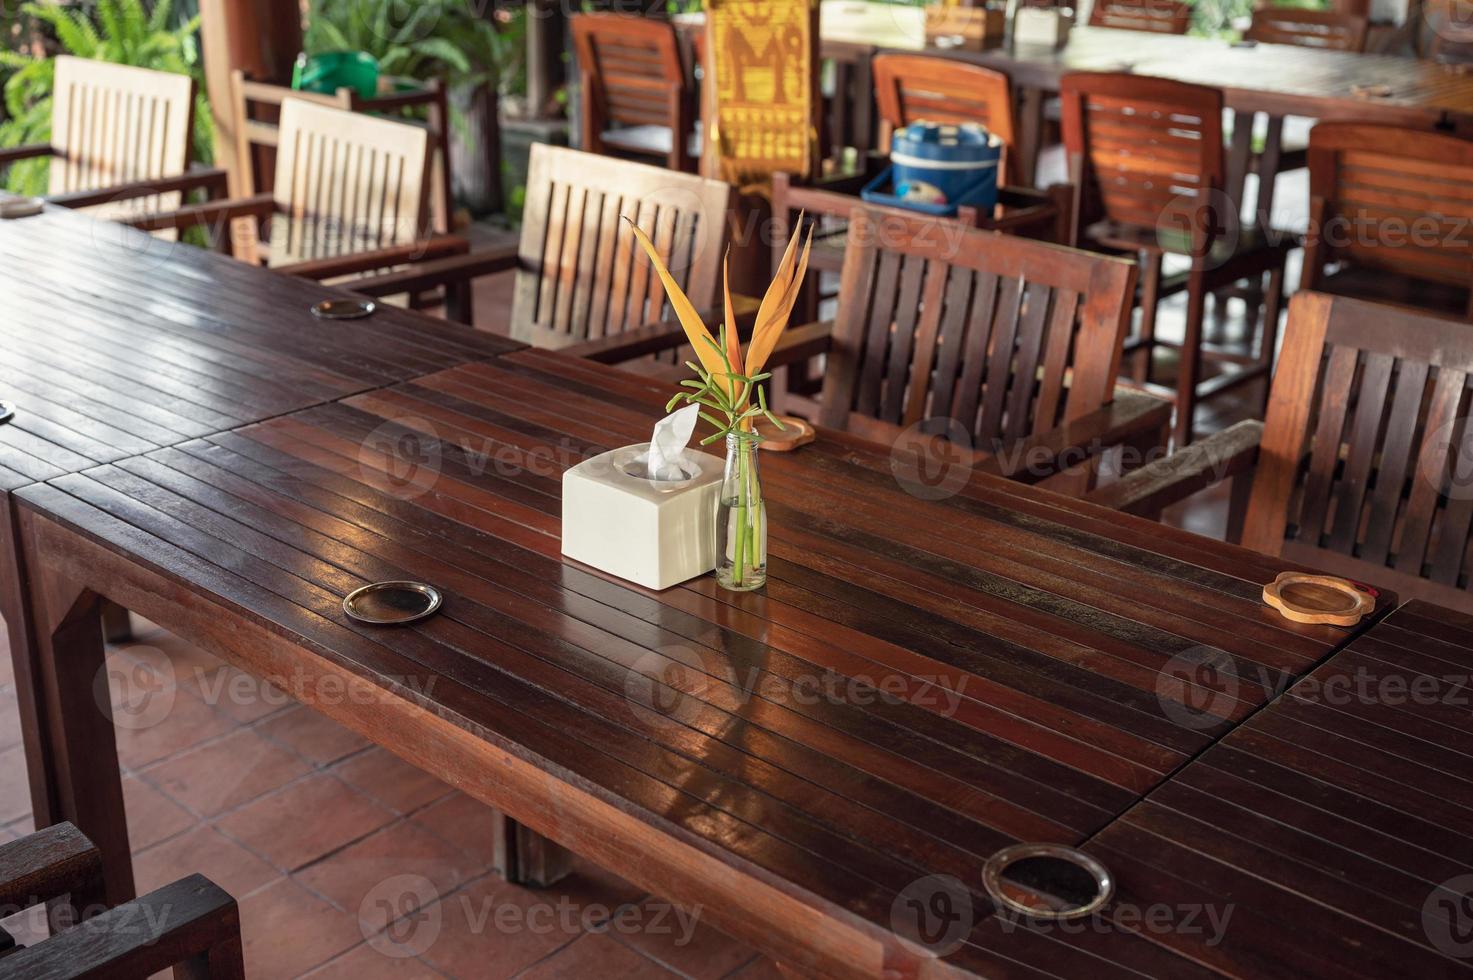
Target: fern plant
{"points": [[120, 31], [421, 39]]}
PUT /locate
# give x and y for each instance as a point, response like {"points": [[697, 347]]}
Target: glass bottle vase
{"points": [[741, 518]]}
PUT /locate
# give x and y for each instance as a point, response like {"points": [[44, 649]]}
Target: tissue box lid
{"points": [[610, 469]]}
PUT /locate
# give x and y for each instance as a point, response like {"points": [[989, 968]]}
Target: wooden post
{"points": [[260, 37], [546, 39]]}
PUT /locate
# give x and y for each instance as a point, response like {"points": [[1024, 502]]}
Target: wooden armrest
{"points": [[652, 338], [190, 920], [29, 152], [424, 276], [1156, 485], [1129, 415], [798, 344], [45, 865], [381, 258], [212, 180], [210, 214]]}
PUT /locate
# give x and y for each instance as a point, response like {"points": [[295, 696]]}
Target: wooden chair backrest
{"points": [[632, 75], [114, 124], [1146, 152], [915, 87], [1366, 453], [346, 183], [1155, 16], [1399, 200], [1006, 336], [582, 276], [1326, 29], [256, 108]]}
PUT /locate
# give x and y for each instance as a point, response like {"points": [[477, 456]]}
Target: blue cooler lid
{"points": [[923, 144]]}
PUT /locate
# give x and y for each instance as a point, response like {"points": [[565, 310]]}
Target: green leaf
{"points": [[162, 10]]}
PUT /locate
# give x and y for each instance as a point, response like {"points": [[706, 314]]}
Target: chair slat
{"points": [[902, 338], [1365, 428], [1324, 456], [1396, 456], [1437, 445]]}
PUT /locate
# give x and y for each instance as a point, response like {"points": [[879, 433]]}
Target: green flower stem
{"points": [[740, 546]]}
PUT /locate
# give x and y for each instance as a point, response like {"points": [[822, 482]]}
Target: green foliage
{"points": [[446, 39], [120, 31]]}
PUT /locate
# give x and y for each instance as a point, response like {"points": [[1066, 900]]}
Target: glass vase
{"points": [[741, 518]]}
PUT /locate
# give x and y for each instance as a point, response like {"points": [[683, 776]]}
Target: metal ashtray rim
{"points": [[353, 309], [992, 874], [431, 594], [21, 207]]}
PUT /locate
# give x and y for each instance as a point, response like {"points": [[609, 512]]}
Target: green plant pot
{"points": [[327, 72]]}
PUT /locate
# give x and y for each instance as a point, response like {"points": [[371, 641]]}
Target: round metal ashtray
{"points": [[344, 309], [392, 603], [7, 412], [21, 207], [1047, 881]]}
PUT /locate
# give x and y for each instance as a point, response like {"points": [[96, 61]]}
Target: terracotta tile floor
{"points": [[347, 862], [227, 782]]}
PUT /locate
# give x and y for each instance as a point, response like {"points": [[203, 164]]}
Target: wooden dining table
{"points": [[1275, 80], [940, 665], [1333, 831], [116, 343]]}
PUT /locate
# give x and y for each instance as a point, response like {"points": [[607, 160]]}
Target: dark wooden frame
{"points": [[191, 925]]}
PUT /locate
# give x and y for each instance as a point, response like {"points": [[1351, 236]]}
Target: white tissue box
{"points": [[655, 534], [1041, 26]]}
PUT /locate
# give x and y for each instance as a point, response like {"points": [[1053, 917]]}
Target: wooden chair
{"points": [[1361, 466], [1325, 29], [1392, 207], [257, 111], [191, 925], [1155, 16], [580, 279], [636, 98], [120, 140], [1448, 34], [914, 87], [1009, 345], [1146, 158]]}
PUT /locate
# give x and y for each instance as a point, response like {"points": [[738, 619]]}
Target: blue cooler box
{"points": [[936, 168]]}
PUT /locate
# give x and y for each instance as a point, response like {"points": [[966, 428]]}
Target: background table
{"points": [[1274, 79], [920, 683], [115, 343], [1338, 822]]}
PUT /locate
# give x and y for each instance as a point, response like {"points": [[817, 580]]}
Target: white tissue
{"points": [[666, 458]]}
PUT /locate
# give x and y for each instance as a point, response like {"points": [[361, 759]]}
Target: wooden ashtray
{"points": [[1323, 599], [794, 433]]}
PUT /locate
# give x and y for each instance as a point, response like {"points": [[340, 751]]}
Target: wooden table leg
{"points": [[80, 744], [15, 607], [1268, 169], [117, 625], [864, 105], [1240, 153], [524, 857], [1030, 136]]}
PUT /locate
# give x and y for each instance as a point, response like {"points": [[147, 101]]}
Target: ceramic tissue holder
{"points": [[655, 533]]}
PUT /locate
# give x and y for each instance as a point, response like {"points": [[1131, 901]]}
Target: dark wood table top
{"points": [[1333, 831], [116, 342], [920, 683]]}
